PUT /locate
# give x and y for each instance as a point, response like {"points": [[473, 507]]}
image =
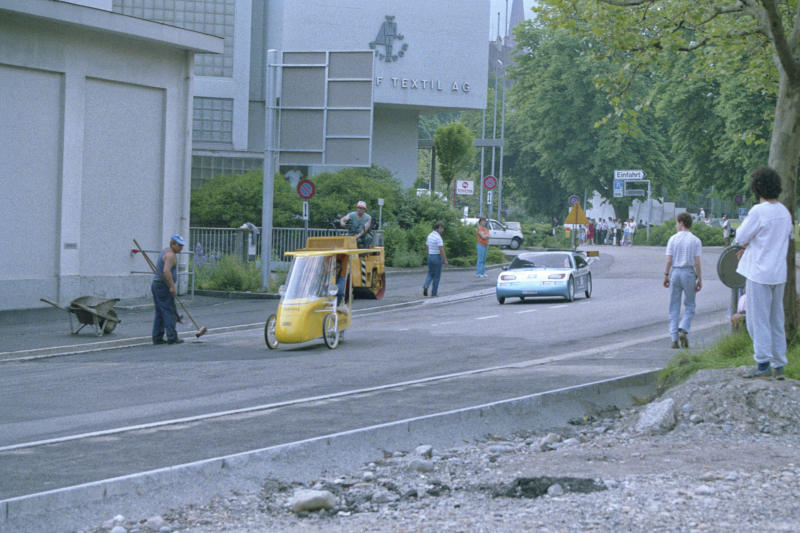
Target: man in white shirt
{"points": [[683, 276], [764, 236], [436, 258]]}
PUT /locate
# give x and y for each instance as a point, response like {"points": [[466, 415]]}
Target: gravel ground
{"points": [[730, 462]]}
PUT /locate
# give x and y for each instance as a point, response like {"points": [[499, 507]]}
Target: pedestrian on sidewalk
{"points": [[726, 229], [164, 292], [482, 235], [765, 234], [683, 276], [436, 259]]}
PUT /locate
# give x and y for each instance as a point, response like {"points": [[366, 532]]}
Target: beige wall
{"points": [[94, 151]]}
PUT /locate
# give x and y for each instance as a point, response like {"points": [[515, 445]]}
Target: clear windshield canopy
{"points": [[309, 277]]}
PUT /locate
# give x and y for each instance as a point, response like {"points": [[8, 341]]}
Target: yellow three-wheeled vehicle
{"points": [[316, 299]]}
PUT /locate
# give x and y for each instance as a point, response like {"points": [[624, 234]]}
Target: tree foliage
{"points": [[565, 136], [454, 149], [756, 41]]}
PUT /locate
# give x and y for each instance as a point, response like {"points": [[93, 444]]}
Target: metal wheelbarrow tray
{"points": [[92, 310]]}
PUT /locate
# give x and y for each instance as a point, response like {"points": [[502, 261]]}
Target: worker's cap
{"points": [[178, 239], [362, 203]]}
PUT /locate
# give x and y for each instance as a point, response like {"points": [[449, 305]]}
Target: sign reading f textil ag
{"points": [[629, 174]]}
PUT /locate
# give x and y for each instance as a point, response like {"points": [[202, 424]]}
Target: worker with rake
{"points": [[164, 292]]}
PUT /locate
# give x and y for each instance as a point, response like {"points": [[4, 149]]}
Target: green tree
{"points": [[564, 129], [454, 148], [759, 40], [338, 192]]}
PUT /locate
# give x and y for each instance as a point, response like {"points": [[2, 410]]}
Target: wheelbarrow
{"points": [[92, 310]]}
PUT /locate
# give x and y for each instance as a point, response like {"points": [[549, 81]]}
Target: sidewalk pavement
{"points": [[44, 332], [33, 333]]}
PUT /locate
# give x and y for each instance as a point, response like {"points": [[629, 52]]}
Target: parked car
{"points": [[550, 273], [499, 234]]}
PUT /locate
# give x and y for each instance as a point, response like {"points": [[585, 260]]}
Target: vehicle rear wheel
{"points": [[501, 300], [378, 284], [588, 286], [330, 330], [571, 290], [269, 332], [515, 244]]}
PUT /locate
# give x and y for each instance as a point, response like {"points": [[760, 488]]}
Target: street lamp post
{"points": [[502, 140]]}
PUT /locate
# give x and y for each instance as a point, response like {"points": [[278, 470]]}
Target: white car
{"points": [[499, 233]]}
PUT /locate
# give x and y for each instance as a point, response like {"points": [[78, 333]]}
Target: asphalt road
{"points": [[76, 418]]}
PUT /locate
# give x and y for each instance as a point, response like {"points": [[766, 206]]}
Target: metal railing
{"points": [[184, 270], [247, 245]]}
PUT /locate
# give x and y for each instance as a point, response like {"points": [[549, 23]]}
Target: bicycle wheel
{"points": [[330, 330], [269, 332]]}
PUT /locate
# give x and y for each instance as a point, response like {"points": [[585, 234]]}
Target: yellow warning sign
{"points": [[576, 215]]}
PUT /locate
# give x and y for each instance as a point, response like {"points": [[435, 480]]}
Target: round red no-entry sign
{"points": [[306, 189], [490, 182]]}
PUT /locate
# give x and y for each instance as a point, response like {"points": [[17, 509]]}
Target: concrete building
{"points": [[101, 98], [95, 111], [430, 58]]}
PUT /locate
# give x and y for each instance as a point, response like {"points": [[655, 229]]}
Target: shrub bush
{"points": [[228, 273], [659, 235]]}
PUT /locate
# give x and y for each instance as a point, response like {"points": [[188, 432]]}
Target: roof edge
{"points": [[114, 23]]}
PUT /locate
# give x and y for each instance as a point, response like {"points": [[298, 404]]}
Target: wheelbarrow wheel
{"points": [[109, 325], [330, 330], [269, 332]]}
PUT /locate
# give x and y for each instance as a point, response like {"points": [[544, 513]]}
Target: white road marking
{"points": [[486, 317]]}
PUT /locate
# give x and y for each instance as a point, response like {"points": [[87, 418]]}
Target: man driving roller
{"points": [[359, 223]]}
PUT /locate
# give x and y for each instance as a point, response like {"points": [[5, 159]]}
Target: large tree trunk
{"points": [[784, 153]]}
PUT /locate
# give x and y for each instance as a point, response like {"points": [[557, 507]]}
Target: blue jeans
{"points": [[480, 267], [682, 281], [166, 314], [434, 273]]}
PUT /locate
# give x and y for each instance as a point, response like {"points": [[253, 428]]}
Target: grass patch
{"points": [[228, 273], [733, 350]]}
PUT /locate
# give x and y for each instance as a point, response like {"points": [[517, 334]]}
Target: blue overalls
{"points": [[164, 303]]}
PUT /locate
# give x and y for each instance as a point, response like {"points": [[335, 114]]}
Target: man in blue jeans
{"points": [[164, 291], [436, 258], [683, 276]]}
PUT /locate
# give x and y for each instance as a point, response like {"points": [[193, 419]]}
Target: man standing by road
{"points": [[164, 291], [683, 276], [765, 235], [436, 258], [359, 224]]}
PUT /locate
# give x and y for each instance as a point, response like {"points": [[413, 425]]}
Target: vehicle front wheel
{"points": [[571, 290], [588, 286], [501, 300], [330, 330], [515, 244], [269, 332]]}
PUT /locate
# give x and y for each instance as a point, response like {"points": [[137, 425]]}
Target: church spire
{"points": [[516, 18]]}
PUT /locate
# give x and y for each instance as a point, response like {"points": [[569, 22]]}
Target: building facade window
{"points": [[212, 120], [206, 167], [215, 17]]}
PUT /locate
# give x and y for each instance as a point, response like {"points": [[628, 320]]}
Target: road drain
{"points": [[533, 487]]}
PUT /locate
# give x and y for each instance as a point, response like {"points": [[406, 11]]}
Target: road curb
{"points": [[153, 492]]}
